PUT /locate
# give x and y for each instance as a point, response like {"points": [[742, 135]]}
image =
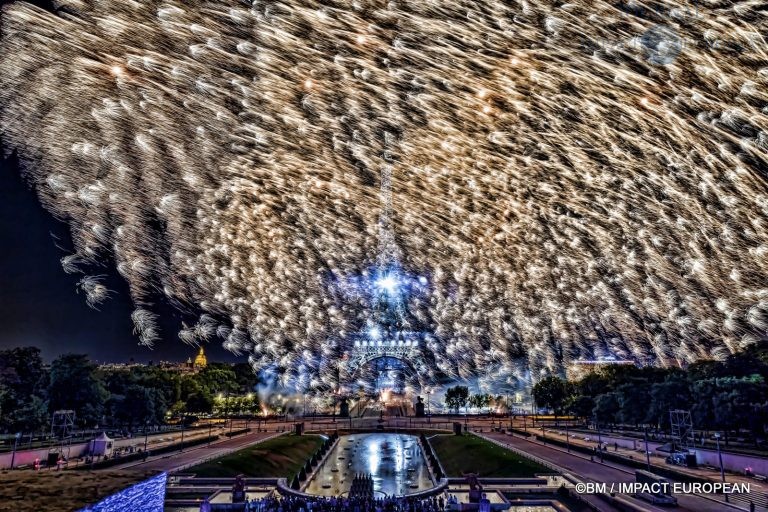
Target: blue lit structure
{"points": [[146, 496], [388, 344]]}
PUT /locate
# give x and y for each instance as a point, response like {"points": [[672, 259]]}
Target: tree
{"points": [[730, 402], [198, 398], [480, 400], [23, 383], [456, 397], [582, 400], [74, 385], [246, 377], [251, 403], [673, 393], [606, 407], [633, 398], [580, 406], [218, 378], [138, 406], [551, 393], [139, 395]]}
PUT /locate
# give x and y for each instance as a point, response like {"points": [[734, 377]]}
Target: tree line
{"points": [[457, 397], [729, 395], [31, 391]]}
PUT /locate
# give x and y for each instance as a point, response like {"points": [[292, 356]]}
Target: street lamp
{"points": [[182, 432], [720, 457], [647, 453], [599, 438], [15, 444], [227, 415]]}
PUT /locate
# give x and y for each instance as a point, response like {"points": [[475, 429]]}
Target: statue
{"points": [[238, 489], [475, 488], [344, 408], [419, 407]]}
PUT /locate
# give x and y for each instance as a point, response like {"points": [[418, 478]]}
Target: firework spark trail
{"points": [[565, 196]]}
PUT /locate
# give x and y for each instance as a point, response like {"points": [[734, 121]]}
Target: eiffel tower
{"points": [[388, 332]]}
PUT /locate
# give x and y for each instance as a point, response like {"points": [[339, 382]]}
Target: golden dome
{"points": [[200, 360]]}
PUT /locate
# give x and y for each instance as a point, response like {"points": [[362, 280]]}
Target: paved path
{"points": [[656, 459], [758, 490], [176, 461], [583, 467]]}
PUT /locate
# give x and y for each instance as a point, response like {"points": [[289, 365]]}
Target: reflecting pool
{"points": [[394, 461]]}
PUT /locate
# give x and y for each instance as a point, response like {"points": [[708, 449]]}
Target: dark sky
{"points": [[39, 303]]}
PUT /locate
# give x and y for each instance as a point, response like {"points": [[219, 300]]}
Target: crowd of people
{"points": [[340, 504]]}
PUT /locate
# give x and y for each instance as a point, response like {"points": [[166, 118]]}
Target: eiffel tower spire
{"points": [[389, 253]]}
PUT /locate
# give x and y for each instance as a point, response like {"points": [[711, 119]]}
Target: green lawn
{"points": [[471, 454], [279, 457]]}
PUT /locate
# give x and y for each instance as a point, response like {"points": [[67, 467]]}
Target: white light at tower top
{"points": [[387, 283]]}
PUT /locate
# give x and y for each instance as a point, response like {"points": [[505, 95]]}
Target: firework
{"points": [[572, 179]]}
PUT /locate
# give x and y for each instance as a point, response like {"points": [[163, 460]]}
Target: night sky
{"points": [[40, 305]]}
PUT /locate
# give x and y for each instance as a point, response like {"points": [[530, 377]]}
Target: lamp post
{"points": [[599, 438], [720, 457], [182, 432], [567, 438], [249, 415], [15, 444], [429, 410], [647, 453], [227, 415]]}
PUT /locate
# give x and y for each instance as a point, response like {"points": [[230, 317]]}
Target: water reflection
{"points": [[395, 462]]}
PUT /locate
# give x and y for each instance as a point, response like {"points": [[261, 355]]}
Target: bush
{"points": [[237, 432]]}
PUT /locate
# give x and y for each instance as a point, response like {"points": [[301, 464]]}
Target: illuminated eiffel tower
{"points": [[388, 333]]}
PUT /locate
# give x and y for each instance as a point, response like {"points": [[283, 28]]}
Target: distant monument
{"points": [[419, 407], [200, 360]]}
